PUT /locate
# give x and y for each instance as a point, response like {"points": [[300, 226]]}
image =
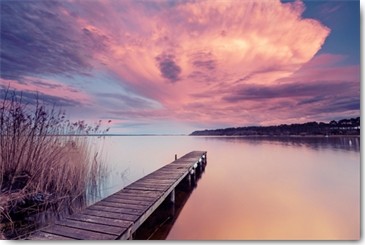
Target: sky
{"points": [[174, 66]]}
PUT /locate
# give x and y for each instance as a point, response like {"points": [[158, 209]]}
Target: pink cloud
{"points": [[203, 46]]}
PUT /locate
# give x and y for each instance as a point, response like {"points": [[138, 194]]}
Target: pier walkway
{"points": [[118, 216]]}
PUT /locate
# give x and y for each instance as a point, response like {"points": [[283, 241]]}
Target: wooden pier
{"points": [[118, 216]]}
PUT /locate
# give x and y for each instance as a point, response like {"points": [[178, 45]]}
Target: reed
{"points": [[43, 158]]}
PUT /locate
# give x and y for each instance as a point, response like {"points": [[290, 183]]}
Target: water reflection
{"points": [[21, 224], [275, 189]]}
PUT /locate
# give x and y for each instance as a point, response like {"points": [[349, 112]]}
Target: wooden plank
{"points": [[101, 220], [157, 182], [78, 234], [156, 177], [164, 177], [172, 172], [114, 202], [179, 165], [173, 169], [154, 181], [130, 198], [150, 193], [146, 187], [102, 228], [134, 195], [173, 166], [153, 184], [116, 210], [192, 157], [122, 205], [140, 197], [165, 173], [185, 161], [45, 236], [111, 215], [144, 193], [135, 198], [159, 173], [152, 176]]}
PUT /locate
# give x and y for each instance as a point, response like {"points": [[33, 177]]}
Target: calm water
{"points": [[289, 188]]}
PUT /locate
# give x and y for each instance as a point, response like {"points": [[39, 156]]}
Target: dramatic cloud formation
{"points": [[199, 63]]}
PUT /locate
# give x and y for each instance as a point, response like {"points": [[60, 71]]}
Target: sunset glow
{"points": [[179, 66]]}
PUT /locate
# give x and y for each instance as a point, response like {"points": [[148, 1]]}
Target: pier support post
{"points": [[192, 171], [191, 177], [130, 234], [172, 196], [175, 157]]}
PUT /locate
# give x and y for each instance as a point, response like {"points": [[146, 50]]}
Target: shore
{"points": [[283, 136]]}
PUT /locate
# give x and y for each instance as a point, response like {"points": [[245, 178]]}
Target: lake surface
{"points": [[267, 188]]}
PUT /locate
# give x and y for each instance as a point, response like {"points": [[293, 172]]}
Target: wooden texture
{"points": [[119, 215]]}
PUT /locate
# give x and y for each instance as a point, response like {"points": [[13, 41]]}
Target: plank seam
{"points": [[85, 229], [96, 223]]}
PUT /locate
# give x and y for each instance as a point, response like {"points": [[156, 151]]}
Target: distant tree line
{"points": [[342, 127]]}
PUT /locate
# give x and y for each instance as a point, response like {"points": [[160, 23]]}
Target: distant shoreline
{"points": [[343, 127], [280, 136]]}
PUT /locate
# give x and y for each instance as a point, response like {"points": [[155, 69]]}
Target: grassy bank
{"points": [[38, 167]]}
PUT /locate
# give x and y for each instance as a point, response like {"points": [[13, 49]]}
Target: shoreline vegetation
{"points": [[341, 128], [44, 164]]}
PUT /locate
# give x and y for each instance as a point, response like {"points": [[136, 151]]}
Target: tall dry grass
{"points": [[43, 158]]}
